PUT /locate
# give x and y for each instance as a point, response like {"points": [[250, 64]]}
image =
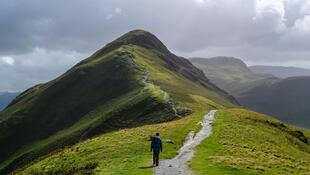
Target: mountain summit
{"points": [[139, 38], [132, 81]]}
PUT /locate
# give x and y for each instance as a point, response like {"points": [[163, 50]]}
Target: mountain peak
{"points": [[144, 39], [137, 32], [137, 37]]}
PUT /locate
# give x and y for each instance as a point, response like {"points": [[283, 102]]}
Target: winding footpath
{"points": [[178, 165]]}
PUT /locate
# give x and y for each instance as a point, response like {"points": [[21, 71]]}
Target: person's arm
{"points": [[152, 143], [161, 146]]}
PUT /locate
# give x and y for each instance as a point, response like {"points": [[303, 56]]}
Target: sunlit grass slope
{"points": [[175, 84], [245, 142], [121, 152]]}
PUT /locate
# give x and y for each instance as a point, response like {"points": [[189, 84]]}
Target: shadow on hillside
{"points": [[146, 167]]}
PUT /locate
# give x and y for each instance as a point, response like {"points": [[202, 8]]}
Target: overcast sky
{"points": [[40, 39]]}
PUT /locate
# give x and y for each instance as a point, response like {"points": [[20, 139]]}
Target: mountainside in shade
{"points": [[132, 81], [280, 71], [286, 99], [6, 98]]}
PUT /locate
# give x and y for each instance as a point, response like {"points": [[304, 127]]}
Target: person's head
{"points": [[157, 134]]}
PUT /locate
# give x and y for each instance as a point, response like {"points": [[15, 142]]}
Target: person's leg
{"points": [[154, 158], [157, 159]]}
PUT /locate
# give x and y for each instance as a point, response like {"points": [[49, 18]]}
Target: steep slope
{"points": [[132, 81], [286, 99], [6, 98], [280, 71]]}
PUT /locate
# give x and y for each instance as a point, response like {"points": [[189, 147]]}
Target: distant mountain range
{"points": [[6, 98], [287, 99], [280, 71], [230, 74]]}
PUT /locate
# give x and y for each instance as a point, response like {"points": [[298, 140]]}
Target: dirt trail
{"points": [[178, 165]]}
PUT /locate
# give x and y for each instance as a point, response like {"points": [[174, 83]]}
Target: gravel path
{"points": [[178, 165]]}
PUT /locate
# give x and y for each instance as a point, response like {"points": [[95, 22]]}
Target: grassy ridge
{"points": [[117, 98], [245, 142], [135, 84], [132, 81], [132, 144], [120, 152], [230, 150]]}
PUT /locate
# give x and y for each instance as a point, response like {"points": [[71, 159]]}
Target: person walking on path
{"points": [[156, 147]]}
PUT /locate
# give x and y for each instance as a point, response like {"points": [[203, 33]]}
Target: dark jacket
{"points": [[156, 145]]}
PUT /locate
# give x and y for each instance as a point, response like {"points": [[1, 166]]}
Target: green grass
{"points": [[94, 120], [178, 87], [245, 142], [120, 152]]}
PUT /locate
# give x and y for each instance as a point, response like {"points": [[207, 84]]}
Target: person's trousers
{"points": [[156, 158]]}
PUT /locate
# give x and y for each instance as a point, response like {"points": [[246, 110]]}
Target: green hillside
{"points": [[131, 82], [120, 152], [243, 142], [287, 99]]}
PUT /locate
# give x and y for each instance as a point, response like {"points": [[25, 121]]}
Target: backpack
{"points": [[156, 143]]}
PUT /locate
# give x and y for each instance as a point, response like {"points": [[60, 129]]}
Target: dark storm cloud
{"points": [[39, 39]]}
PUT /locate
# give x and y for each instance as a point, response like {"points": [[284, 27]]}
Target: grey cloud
{"points": [[36, 67], [40, 35], [185, 25]]}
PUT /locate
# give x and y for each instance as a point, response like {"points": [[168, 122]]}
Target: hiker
{"points": [[156, 147]]}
